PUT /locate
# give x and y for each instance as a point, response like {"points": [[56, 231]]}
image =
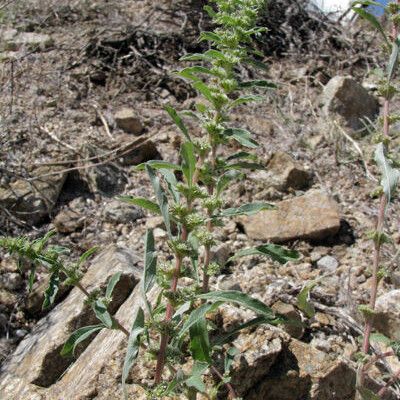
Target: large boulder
{"points": [[346, 99], [313, 216], [37, 359]]}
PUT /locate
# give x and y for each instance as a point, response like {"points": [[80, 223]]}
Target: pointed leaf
{"points": [[258, 83], [394, 58], [188, 162], [246, 209], [199, 341], [390, 175], [161, 197], [77, 337], [141, 202], [87, 254], [52, 290], [150, 262], [202, 88], [210, 36], [225, 179], [244, 165], [158, 164], [273, 251], [171, 182], [245, 100], [244, 300], [195, 380], [133, 347], [102, 314], [242, 136], [303, 302], [178, 121], [111, 284]]}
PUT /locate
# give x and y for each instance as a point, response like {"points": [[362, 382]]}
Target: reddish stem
{"points": [[231, 391], [392, 380]]}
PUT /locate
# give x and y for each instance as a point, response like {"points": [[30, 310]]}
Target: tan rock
{"points": [[312, 216], [37, 358], [387, 317], [294, 326], [127, 120]]}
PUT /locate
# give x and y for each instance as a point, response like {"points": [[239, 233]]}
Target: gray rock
{"points": [[220, 253], [121, 213], [14, 41], [37, 359], [294, 328], [68, 221], [127, 120], [387, 317], [32, 201], [106, 179], [312, 216], [11, 281], [346, 99], [140, 153], [328, 264]]}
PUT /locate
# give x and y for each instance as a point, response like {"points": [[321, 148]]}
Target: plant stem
{"points": [[114, 320], [231, 391], [392, 380]]}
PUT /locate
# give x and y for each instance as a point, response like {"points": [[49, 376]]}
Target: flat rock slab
{"points": [[37, 359], [312, 216]]}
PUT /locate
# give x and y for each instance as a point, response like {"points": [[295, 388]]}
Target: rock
{"points": [[7, 299], [387, 317], [37, 358], [13, 387], [32, 201], [140, 153], [313, 216], [118, 212], [127, 120], [68, 221], [10, 281], [14, 41], [343, 97], [106, 179], [258, 351], [302, 372], [284, 173], [328, 264], [294, 327], [220, 253]]}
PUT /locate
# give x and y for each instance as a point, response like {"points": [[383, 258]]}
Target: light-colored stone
{"points": [[387, 317], [127, 120], [284, 173], [121, 213], [312, 216], [13, 388], [328, 264], [345, 98], [31, 201], [37, 358], [14, 41], [294, 326], [68, 221]]}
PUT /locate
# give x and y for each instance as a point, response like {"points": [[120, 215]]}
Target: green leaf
{"points": [[245, 100], [196, 315], [394, 58], [171, 182], [194, 57], [161, 198], [209, 10], [246, 209], [102, 314], [213, 54], [242, 136], [244, 165], [229, 358], [210, 36], [303, 302], [241, 155], [225, 179], [141, 202], [133, 347], [189, 73], [373, 21], [244, 300], [87, 254], [274, 251], [188, 162], [111, 284], [202, 88], [227, 338], [390, 175], [51, 290], [178, 121], [367, 3], [31, 278], [258, 83], [379, 337], [77, 337], [367, 394], [158, 164], [195, 380], [150, 262], [199, 341]]}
